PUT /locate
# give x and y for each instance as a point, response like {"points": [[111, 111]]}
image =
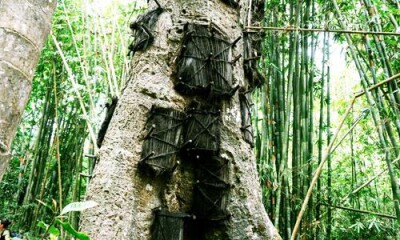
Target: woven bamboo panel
{"points": [[252, 52], [168, 226], [142, 27], [245, 112], [201, 133], [163, 141], [205, 64], [211, 188]]}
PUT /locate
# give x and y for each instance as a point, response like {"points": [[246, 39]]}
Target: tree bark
{"points": [[24, 27], [125, 197]]}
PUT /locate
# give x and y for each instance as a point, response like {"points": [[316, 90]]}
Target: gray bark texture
{"points": [[126, 198], [24, 27]]}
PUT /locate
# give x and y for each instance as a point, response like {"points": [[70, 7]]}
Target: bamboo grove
{"points": [[81, 68], [294, 123], [296, 116]]}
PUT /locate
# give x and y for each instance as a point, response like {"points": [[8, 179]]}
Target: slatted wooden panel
{"points": [[245, 112], [211, 188], [163, 141], [201, 133], [142, 28], [210, 201], [168, 225], [252, 53], [205, 64]]}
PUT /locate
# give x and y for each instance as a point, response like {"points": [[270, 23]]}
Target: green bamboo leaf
{"points": [[78, 206], [53, 230], [42, 225], [67, 227]]}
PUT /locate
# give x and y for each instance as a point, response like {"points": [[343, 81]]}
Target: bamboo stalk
{"points": [[71, 77], [318, 172], [352, 157], [320, 127], [43, 184], [295, 87], [328, 138], [367, 182], [81, 61], [349, 131], [57, 143], [378, 85], [360, 211], [298, 29]]}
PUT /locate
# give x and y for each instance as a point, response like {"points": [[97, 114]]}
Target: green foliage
{"points": [[303, 77], [53, 231], [67, 226], [78, 206], [55, 128]]}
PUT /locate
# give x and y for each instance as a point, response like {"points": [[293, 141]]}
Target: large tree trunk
{"points": [[24, 27], [125, 197]]}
